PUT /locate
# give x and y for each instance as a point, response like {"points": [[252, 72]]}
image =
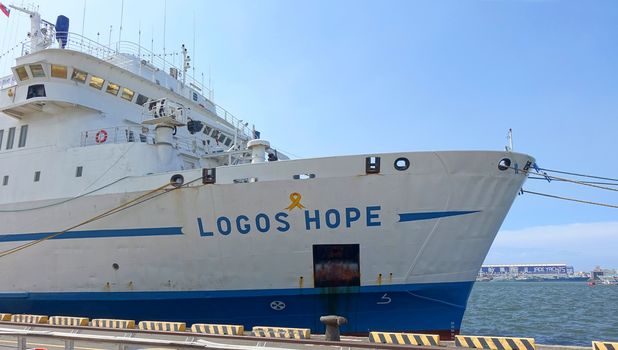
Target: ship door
{"points": [[336, 265]]}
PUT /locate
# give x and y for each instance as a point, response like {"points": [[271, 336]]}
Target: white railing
{"points": [[119, 134], [8, 81], [77, 42]]}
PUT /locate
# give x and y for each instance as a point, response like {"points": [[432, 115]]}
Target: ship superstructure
{"points": [[127, 193]]}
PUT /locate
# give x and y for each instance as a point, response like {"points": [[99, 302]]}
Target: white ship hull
{"points": [[410, 244]]}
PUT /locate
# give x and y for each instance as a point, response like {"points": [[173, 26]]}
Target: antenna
{"points": [[185, 63], [84, 18], [121, 17], [509, 137], [109, 39], [193, 74], [164, 25]]}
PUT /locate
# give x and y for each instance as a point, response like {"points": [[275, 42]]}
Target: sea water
{"points": [[563, 313]]}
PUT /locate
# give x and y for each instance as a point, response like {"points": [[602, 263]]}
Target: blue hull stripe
{"points": [[132, 232], [410, 307], [432, 215]]}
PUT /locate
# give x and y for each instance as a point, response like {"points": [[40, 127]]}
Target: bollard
{"points": [[332, 323]]}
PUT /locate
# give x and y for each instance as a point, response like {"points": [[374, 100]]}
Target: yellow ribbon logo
{"points": [[295, 198]]}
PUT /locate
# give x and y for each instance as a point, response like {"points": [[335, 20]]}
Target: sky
{"points": [[322, 78]]}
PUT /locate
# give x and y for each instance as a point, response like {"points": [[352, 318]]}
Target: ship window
{"points": [[194, 96], [221, 138], [5, 180], [37, 176], [141, 99], [207, 130], [58, 71], [127, 94], [78, 171], [10, 138], [21, 73], [97, 82], [37, 90], [23, 133], [228, 142], [112, 88], [37, 71], [79, 76], [1, 136]]}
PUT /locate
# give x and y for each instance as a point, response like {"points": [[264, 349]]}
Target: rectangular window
{"points": [[37, 176], [79, 171], [23, 134], [5, 180], [97, 82], [79, 76], [36, 90], [10, 138], [228, 142], [194, 96], [207, 130], [37, 71], [58, 71], [127, 94], [1, 136], [112, 88], [141, 99], [21, 73]]}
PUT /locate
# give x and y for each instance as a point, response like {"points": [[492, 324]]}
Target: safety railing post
{"points": [[21, 343]]}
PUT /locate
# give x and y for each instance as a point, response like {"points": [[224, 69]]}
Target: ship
{"points": [[128, 193]]}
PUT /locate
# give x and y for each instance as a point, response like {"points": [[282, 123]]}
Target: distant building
{"points": [[537, 270]]}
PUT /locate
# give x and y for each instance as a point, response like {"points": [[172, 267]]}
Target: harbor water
{"points": [[561, 313]]}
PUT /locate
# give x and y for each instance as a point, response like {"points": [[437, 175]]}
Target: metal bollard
{"points": [[332, 323]]}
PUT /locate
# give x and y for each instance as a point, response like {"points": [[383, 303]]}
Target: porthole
{"points": [[115, 266], [401, 164], [177, 180], [504, 164]]}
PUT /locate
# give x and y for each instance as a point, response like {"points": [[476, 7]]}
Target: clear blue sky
{"points": [[322, 78]]}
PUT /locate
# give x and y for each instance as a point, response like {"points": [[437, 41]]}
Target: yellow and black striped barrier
{"points": [[494, 343], [112, 323], [68, 321], [224, 329], [23, 318], [162, 326], [604, 345], [404, 338], [5, 317], [279, 332]]}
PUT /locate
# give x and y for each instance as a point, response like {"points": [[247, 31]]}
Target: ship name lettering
{"points": [[313, 220]]}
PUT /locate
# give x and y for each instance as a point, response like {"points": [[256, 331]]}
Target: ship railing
{"points": [[119, 134], [80, 43], [7, 82]]}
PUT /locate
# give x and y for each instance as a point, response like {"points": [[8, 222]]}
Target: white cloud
{"points": [[583, 246]]}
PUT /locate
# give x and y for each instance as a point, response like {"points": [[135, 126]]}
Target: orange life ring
{"points": [[101, 136]]}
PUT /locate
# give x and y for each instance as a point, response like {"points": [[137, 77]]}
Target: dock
{"points": [[37, 332]]}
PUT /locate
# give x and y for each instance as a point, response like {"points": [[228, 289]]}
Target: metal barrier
{"points": [[281, 332], [24, 318], [162, 326], [112, 323], [404, 338], [494, 343], [224, 329], [68, 321], [603, 345]]}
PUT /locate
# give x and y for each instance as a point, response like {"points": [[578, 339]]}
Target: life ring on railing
{"points": [[101, 136]]}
